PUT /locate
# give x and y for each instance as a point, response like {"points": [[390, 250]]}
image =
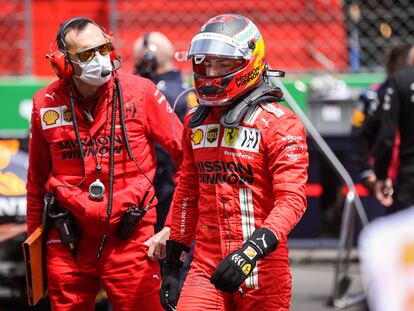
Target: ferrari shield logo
{"points": [[247, 268], [230, 135]]}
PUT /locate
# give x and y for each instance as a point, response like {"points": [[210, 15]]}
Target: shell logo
{"points": [[50, 117], [250, 252], [197, 136]]}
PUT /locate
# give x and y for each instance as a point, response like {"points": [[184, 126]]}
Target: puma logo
{"points": [[263, 240], [50, 96], [266, 122]]}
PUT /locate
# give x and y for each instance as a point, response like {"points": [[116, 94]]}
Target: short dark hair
{"points": [[77, 24]]}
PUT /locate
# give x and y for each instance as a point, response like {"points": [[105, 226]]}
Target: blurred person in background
{"points": [[386, 251], [242, 187], [367, 118], [153, 57], [99, 199], [397, 116]]}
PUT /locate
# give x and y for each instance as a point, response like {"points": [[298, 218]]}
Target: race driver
{"points": [[98, 194], [242, 184]]}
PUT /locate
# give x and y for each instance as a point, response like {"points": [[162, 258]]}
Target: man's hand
{"points": [[233, 270], [369, 182], [384, 192], [169, 291], [156, 244]]}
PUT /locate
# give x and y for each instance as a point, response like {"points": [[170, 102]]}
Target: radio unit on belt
{"points": [[64, 222], [132, 218]]}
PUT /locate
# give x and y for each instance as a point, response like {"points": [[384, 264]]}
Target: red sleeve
{"points": [[288, 163], [38, 171], [165, 128], [185, 201]]}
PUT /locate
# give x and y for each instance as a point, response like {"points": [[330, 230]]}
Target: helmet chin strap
{"points": [[262, 94]]}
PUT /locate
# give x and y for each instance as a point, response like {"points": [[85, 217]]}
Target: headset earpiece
{"points": [[60, 65], [58, 59], [110, 36]]}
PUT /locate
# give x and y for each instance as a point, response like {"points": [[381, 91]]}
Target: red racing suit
{"points": [[233, 181], [130, 279]]}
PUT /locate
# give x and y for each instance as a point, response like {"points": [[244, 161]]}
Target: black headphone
{"points": [[148, 64], [60, 34]]}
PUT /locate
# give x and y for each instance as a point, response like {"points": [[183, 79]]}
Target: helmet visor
{"points": [[218, 45]]}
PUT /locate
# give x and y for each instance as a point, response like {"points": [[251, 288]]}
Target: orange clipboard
{"points": [[35, 264]]}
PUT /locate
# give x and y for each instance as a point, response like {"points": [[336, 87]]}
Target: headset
{"points": [[148, 64], [59, 59]]}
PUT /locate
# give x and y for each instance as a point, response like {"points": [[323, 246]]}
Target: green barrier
{"points": [[15, 110], [299, 86], [16, 95]]}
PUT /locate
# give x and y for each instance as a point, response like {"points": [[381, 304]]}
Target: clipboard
{"points": [[34, 253]]}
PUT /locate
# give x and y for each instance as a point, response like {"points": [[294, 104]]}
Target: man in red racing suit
{"points": [[241, 190], [124, 270]]}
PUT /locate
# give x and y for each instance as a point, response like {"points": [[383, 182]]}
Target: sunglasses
{"points": [[88, 54]]}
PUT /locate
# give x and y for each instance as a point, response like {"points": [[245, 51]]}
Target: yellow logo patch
{"points": [[197, 136], [230, 135], [212, 134], [50, 117], [247, 268], [67, 115], [250, 252]]}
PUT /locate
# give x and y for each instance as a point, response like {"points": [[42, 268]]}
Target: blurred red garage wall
{"points": [[298, 34]]}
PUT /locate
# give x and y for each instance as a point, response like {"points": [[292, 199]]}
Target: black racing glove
{"points": [[169, 291], [233, 270]]}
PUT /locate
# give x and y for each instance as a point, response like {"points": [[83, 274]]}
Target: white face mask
{"points": [[92, 71]]}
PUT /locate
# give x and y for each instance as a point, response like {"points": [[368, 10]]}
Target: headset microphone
{"points": [[105, 72], [116, 64]]}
